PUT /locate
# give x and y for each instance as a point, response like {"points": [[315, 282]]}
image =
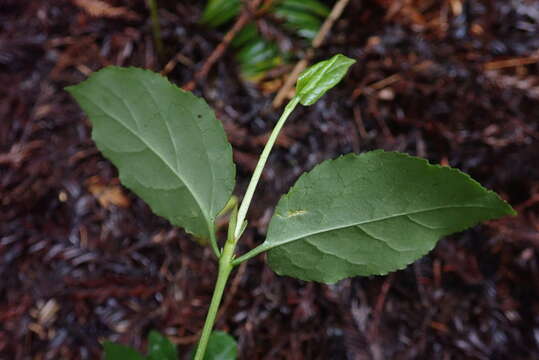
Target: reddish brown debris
{"points": [[83, 260]]}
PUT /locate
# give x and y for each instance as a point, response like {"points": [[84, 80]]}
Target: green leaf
{"points": [[218, 12], [221, 346], [305, 24], [257, 51], [256, 54], [160, 348], [246, 35], [372, 214], [319, 78], [298, 18], [312, 6], [166, 143], [120, 352]]}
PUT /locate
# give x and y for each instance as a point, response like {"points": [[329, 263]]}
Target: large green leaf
{"points": [[221, 346], [166, 143], [314, 82], [120, 352], [160, 348], [372, 214]]}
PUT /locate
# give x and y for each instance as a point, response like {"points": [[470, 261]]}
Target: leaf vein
{"points": [[112, 116], [338, 227]]}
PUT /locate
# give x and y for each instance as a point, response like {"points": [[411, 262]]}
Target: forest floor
{"points": [[83, 260]]}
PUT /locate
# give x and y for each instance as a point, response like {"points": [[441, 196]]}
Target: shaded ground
{"points": [[82, 259]]}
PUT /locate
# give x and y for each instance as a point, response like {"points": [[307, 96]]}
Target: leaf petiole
{"points": [[251, 254], [213, 241], [230, 205]]}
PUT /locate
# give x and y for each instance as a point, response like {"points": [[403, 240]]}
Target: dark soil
{"points": [[83, 260]]}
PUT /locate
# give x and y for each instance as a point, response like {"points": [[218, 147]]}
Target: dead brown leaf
{"points": [[98, 8], [107, 195]]}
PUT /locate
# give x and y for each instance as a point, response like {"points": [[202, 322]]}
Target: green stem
{"points": [[230, 206], [242, 213], [226, 259], [225, 268], [156, 27]]}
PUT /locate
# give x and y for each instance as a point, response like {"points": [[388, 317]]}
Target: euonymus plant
{"points": [[366, 214]]}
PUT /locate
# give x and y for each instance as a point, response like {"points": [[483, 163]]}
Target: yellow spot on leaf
{"points": [[290, 214]]}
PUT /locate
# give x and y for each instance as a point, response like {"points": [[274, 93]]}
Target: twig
{"points": [[244, 18], [514, 62], [385, 82], [317, 41], [379, 307]]}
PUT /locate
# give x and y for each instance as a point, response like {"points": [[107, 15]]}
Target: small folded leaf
{"points": [[221, 346], [372, 214], [120, 352], [160, 348], [166, 143], [314, 82]]}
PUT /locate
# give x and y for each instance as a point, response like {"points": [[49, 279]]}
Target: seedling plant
{"points": [[367, 214]]}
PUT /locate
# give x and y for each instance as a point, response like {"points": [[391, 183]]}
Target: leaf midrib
{"points": [[149, 90], [267, 245], [197, 200], [320, 75]]}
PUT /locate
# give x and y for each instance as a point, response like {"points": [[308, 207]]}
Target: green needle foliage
{"points": [[366, 214], [255, 53]]}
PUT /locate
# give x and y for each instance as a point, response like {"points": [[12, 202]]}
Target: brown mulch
{"points": [[83, 260]]}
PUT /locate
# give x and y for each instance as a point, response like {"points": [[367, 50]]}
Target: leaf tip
{"points": [[316, 80]]}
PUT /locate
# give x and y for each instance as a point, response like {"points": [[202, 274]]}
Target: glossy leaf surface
{"points": [[166, 143], [160, 348], [314, 82], [120, 352], [372, 214]]}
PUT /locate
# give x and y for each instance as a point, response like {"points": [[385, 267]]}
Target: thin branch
{"points": [[514, 62]]}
